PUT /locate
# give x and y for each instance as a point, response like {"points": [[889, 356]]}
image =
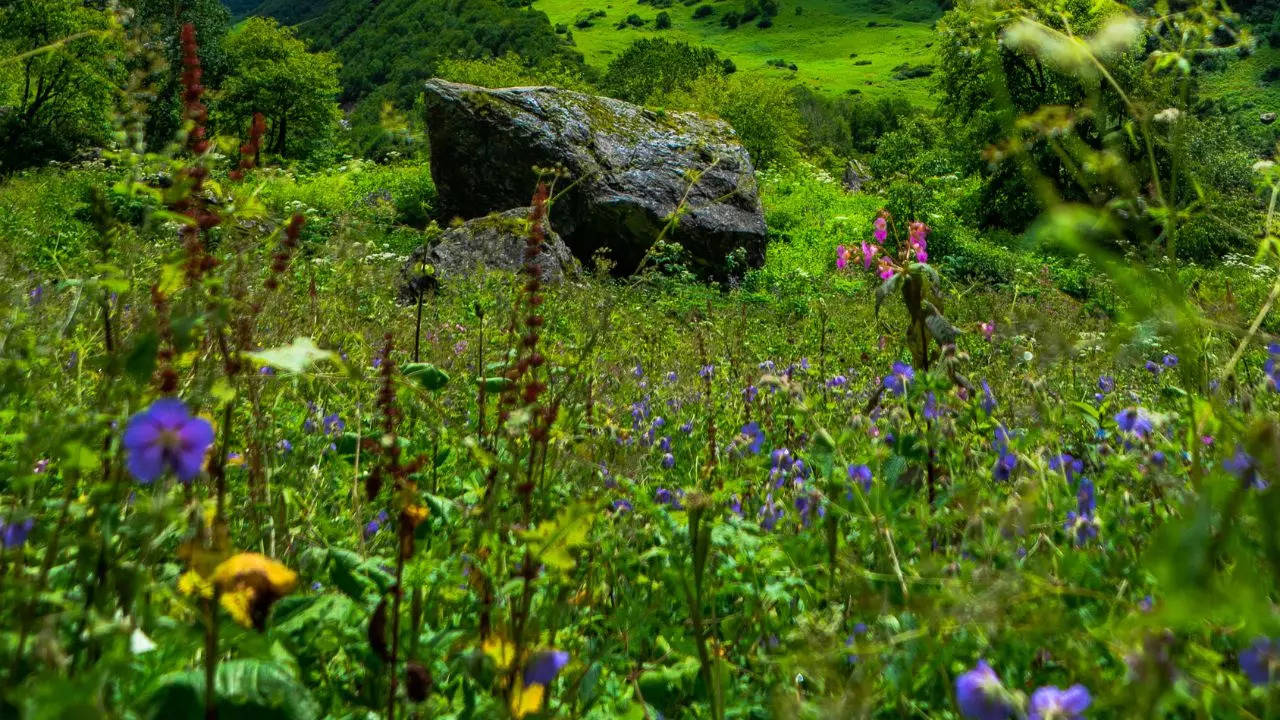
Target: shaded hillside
{"points": [[288, 12], [389, 47]]}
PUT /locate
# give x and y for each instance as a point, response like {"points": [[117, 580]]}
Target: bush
{"points": [[652, 67], [761, 112], [703, 11], [664, 21]]}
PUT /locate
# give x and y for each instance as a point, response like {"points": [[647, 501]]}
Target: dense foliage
{"points": [[976, 441]]}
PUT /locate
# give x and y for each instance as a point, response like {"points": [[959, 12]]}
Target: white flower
{"points": [[1168, 115]]}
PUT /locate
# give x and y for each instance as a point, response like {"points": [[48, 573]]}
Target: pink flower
{"points": [[882, 229], [917, 232], [988, 329], [842, 257], [868, 253], [921, 255], [887, 269]]}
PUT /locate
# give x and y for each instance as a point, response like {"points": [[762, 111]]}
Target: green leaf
{"points": [[495, 384], [886, 287], [939, 326], [295, 358], [551, 541], [246, 690], [425, 374]]}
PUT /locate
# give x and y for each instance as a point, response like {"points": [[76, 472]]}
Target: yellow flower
{"points": [[527, 700], [250, 584], [502, 652]]}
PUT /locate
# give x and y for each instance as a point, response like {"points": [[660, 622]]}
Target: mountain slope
{"points": [[388, 48], [837, 46]]}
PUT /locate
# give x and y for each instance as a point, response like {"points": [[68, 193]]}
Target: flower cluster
{"points": [[252, 147], [981, 696]]}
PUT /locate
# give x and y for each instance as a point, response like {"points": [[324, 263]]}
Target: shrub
{"points": [[663, 21], [653, 66], [703, 11]]}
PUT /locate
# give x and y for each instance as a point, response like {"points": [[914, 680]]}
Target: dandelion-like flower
{"points": [[250, 584], [980, 694], [164, 437]]}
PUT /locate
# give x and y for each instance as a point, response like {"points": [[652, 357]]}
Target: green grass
{"points": [[821, 41], [1241, 91]]}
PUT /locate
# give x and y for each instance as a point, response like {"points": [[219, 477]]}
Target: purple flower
{"points": [[752, 436], [41, 466], [1004, 466], [749, 394], [1134, 421], [707, 371], [1106, 384], [371, 529], [781, 459], [988, 399], [770, 513], [931, 406], [1243, 466], [638, 371], [267, 370], [1261, 662], [837, 381], [1050, 703], [1067, 464], [665, 497], [980, 695], [668, 461], [166, 437], [36, 294], [1153, 368], [897, 381], [544, 666], [14, 534], [621, 506], [1170, 360], [861, 474], [687, 427], [333, 423], [1080, 522]]}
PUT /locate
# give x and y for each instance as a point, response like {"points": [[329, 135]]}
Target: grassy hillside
{"points": [[838, 46], [1243, 90]]}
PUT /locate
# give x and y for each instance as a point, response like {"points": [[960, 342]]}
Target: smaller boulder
{"points": [[1267, 118], [496, 241]]}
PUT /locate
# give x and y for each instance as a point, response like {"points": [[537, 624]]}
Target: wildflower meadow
{"points": [[907, 467]]}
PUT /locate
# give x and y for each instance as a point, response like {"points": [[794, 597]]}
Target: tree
{"points": [[273, 73], [56, 96], [652, 67]]}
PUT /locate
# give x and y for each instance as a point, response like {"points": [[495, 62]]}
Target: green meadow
{"points": [[837, 46]]}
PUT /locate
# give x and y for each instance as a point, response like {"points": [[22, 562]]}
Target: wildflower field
{"points": [[913, 466]]}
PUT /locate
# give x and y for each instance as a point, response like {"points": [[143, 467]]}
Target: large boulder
{"points": [[495, 241], [628, 171]]}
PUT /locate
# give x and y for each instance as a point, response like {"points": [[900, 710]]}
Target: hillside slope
{"points": [[837, 46]]}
